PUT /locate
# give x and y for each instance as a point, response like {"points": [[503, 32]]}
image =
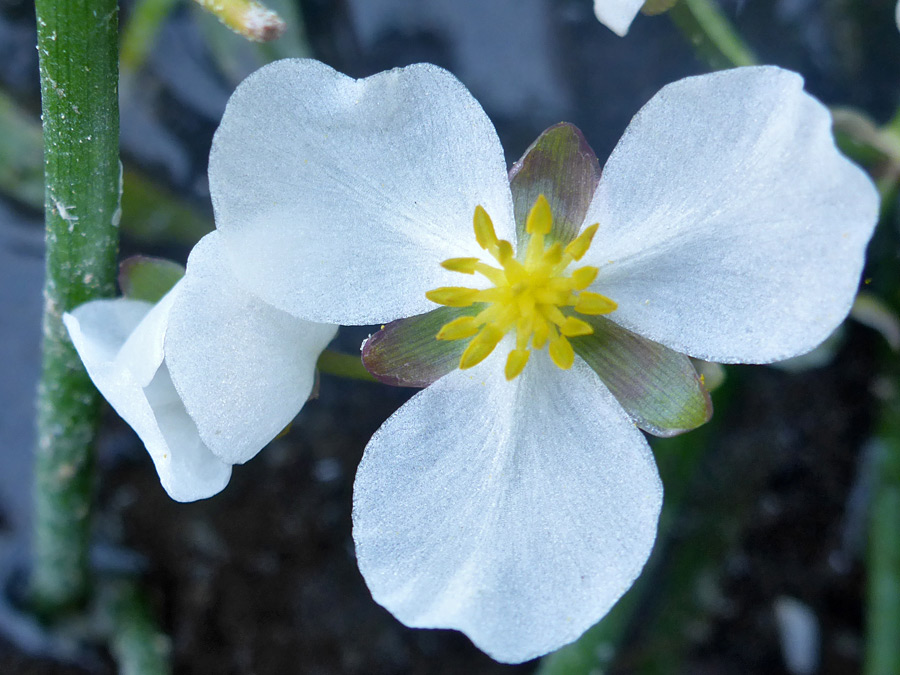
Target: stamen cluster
{"points": [[528, 294]]}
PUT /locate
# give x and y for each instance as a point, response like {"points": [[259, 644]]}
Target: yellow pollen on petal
{"points": [[533, 296]]}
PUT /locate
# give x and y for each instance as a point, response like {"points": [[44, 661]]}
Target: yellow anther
{"points": [[594, 303], [573, 327], [541, 332], [553, 255], [526, 294], [480, 347], [464, 265], [579, 246], [584, 277], [463, 327], [540, 218], [484, 229], [504, 253], [561, 352], [453, 296], [515, 363]]}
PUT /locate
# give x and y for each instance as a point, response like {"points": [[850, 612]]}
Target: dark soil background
{"points": [[261, 579]]}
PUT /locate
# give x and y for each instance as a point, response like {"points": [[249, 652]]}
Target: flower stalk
{"points": [[247, 17], [711, 34], [882, 654], [77, 45]]}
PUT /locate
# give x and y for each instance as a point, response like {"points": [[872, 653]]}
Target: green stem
{"points": [[343, 365], [712, 35], [139, 36], [136, 644], [77, 46], [883, 608]]}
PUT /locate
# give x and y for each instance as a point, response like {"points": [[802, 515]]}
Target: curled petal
{"points": [[731, 228], [242, 368], [337, 199], [136, 383], [517, 512]]}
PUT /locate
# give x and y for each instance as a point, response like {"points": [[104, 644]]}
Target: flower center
{"points": [[532, 294]]}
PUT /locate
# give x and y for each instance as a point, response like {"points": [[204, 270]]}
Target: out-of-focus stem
{"points": [[140, 32], [77, 45], [711, 34], [246, 17], [883, 606], [136, 644]]}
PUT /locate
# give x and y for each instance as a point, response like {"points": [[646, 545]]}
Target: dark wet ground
{"points": [[261, 579]]}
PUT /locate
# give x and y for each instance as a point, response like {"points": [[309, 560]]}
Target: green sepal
{"points": [[406, 353], [658, 387], [561, 166], [145, 278]]}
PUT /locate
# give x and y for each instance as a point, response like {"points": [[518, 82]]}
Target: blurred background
{"points": [[760, 564]]}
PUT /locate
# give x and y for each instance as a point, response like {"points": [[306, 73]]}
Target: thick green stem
{"points": [[711, 34], [136, 644], [883, 607], [77, 45]]}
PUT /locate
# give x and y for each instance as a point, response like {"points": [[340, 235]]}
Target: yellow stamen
{"points": [[484, 229], [453, 296], [579, 246], [515, 363], [584, 277], [528, 295], [540, 219], [464, 265], [480, 347], [594, 303], [561, 352], [463, 327], [573, 327]]}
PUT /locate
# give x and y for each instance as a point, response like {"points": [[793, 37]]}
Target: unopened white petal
{"points": [[617, 15], [243, 368], [338, 198], [99, 331], [516, 512], [731, 228]]}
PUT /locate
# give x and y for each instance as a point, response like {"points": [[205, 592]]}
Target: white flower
{"points": [[730, 229], [206, 377], [617, 15]]}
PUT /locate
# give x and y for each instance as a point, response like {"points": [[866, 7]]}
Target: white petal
{"points": [[731, 228], [243, 368], [338, 198], [517, 512], [617, 15], [99, 329]]}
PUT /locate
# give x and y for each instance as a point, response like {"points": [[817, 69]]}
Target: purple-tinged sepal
{"points": [[407, 353], [658, 387], [561, 166]]}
